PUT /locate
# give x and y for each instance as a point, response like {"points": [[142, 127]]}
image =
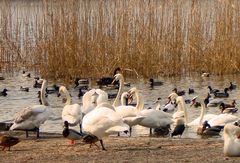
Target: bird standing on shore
{"points": [[8, 141], [179, 129]]}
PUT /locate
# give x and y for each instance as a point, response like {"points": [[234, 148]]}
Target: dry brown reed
{"points": [[89, 38]]}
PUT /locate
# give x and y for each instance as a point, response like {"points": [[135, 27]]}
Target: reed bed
{"points": [[89, 38]]}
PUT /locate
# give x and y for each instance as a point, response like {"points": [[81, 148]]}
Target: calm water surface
{"points": [[16, 99]]}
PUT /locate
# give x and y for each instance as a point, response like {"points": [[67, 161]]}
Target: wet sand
{"points": [[55, 148]]}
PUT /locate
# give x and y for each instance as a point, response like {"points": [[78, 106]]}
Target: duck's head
{"points": [[5, 90], [117, 70], [66, 124]]}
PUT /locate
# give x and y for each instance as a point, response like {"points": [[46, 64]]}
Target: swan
{"points": [[89, 101], [181, 111], [152, 118], [222, 120], [198, 121], [231, 135], [131, 114], [72, 113], [102, 121], [30, 118]]}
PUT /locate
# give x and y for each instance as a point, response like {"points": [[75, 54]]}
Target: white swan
{"points": [[231, 135], [32, 117], [181, 111], [222, 119], [103, 121], [131, 114], [89, 101], [152, 118], [203, 116], [71, 113]]}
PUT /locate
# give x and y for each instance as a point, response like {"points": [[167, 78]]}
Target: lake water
{"points": [[16, 99]]}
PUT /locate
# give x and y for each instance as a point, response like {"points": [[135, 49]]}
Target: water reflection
{"points": [[16, 99]]}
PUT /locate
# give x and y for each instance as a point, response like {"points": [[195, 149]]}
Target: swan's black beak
{"points": [[59, 94]]}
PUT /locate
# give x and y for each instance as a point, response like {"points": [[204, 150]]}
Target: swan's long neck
{"points": [[43, 91], [183, 108], [69, 99], [117, 99], [140, 102], [203, 112]]}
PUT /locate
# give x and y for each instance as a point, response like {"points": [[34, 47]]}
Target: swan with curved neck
{"points": [[71, 113], [89, 101], [203, 116], [102, 96], [131, 114], [231, 135], [31, 117], [118, 77], [152, 118]]}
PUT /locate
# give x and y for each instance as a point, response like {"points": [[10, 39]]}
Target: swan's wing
{"points": [[222, 119], [23, 115], [87, 96]]}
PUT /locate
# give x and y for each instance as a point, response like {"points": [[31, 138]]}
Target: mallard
{"points": [[179, 129], [8, 141], [71, 134]]}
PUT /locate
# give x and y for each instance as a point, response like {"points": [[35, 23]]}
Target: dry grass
{"points": [[64, 39]]}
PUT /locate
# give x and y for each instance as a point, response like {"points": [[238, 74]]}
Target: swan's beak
{"points": [[113, 81], [193, 102], [130, 99], [59, 94]]}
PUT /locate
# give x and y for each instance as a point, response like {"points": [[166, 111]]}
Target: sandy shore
{"points": [[55, 148]]}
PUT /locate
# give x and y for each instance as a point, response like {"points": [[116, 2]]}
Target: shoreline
{"points": [[53, 147]]}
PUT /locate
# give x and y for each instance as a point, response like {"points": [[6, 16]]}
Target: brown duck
{"points": [[8, 141]]}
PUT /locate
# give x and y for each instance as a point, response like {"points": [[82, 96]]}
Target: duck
{"points": [[105, 81], [37, 84], [101, 122], [71, 134], [179, 128], [2, 78], [154, 82], [7, 141], [24, 74], [190, 91], [232, 86], [222, 94], [78, 81], [81, 92], [152, 118], [179, 93], [31, 117], [53, 89], [4, 92], [162, 131], [25, 89], [213, 102], [72, 113], [211, 90], [207, 130], [231, 136], [227, 108]]}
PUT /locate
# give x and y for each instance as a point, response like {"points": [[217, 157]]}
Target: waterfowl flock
{"points": [[98, 116]]}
